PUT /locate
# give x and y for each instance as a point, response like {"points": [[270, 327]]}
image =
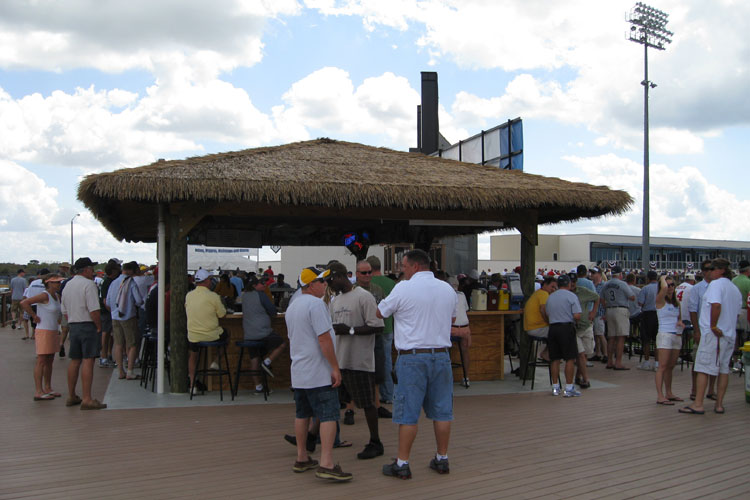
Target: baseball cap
{"points": [[337, 268], [56, 278], [595, 270], [616, 269], [573, 276], [84, 262], [690, 276], [310, 274], [563, 280], [201, 275]]}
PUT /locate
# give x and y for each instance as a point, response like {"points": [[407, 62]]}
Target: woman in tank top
{"points": [[668, 339], [47, 338]]}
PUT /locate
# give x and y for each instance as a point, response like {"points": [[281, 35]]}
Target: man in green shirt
{"points": [[584, 328], [384, 341], [742, 281]]}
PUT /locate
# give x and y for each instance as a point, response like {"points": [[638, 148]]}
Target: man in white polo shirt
{"points": [[80, 304], [422, 308]]}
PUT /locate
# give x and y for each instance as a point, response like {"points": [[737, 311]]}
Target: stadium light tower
{"points": [[647, 27]]}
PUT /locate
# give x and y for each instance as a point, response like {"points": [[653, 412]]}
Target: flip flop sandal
{"points": [[54, 394], [690, 411], [44, 397], [134, 377], [344, 444], [676, 399], [712, 397], [665, 403], [720, 412]]}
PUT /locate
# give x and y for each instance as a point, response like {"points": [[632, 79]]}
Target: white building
{"points": [[567, 251], [295, 259]]}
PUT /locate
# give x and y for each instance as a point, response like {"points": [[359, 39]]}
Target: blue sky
{"points": [[92, 87]]}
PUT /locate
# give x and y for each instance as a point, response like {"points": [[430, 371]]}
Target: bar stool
{"points": [[221, 347], [251, 345], [535, 341], [457, 341], [150, 361]]}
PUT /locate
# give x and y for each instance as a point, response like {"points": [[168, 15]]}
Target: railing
{"points": [[5, 311]]}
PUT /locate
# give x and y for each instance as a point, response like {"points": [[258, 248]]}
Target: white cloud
{"points": [[683, 203], [327, 101], [35, 227], [580, 67], [116, 36]]}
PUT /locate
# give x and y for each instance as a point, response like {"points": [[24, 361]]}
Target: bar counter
{"points": [[487, 348]]}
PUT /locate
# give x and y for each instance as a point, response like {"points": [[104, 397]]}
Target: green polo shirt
{"points": [[743, 283]]}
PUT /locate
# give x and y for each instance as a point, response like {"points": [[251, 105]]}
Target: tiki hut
{"points": [[310, 193]]}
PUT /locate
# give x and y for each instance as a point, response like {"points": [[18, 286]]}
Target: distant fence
{"points": [[5, 312]]}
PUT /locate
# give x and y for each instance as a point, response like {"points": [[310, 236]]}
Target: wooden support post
{"points": [[529, 240], [177, 319]]}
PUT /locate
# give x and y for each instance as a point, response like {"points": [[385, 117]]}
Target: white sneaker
{"points": [[555, 391], [654, 366], [572, 393], [644, 366], [589, 364], [466, 383]]}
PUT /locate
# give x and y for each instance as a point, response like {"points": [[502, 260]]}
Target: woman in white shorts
{"points": [[668, 340]]}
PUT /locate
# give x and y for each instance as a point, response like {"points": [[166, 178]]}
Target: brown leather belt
{"points": [[423, 351]]}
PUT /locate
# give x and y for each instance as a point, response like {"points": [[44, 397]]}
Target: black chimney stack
{"points": [[430, 128]]}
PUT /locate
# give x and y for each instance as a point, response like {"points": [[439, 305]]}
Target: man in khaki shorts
{"points": [[584, 328], [123, 300], [616, 294]]}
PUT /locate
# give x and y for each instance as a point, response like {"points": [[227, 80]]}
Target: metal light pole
{"points": [[71, 238], [648, 27]]}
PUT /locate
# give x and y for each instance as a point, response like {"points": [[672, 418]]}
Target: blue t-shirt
{"points": [[561, 306], [647, 297]]}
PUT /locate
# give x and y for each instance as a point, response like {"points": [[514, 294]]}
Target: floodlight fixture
{"points": [[648, 27]]}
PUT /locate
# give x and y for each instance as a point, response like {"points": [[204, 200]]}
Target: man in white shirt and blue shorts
{"points": [[422, 308]]}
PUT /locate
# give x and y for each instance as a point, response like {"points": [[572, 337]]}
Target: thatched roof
{"points": [[325, 178]]}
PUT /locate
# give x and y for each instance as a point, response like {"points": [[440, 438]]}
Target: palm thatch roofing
{"points": [[310, 193]]}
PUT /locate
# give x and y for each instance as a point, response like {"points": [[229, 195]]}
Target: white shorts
{"points": [[585, 341], [539, 332], [706, 360], [598, 325], [618, 322], [668, 341]]}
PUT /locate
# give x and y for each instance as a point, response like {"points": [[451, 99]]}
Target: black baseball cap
{"points": [[563, 280], [84, 262]]}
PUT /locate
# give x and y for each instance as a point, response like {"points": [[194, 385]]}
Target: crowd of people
{"points": [[703, 318], [343, 325]]}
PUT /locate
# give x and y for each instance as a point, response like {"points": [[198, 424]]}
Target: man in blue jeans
{"points": [[422, 307]]}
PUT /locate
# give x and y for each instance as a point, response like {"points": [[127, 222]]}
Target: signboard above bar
{"points": [[500, 146]]}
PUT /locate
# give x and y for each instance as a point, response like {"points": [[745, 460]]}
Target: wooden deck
{"points": [[611, 443]]}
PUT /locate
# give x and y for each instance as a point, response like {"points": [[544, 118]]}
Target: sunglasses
{"points": [[670, 285], [364, 272]]}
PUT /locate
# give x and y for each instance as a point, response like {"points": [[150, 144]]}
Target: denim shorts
{"points": [[320, 402], [425, 380]]}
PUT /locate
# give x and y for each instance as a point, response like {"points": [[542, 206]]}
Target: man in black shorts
{"points": [[563, 310], [353, 313]]}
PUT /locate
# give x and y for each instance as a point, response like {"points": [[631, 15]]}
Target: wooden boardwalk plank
{"points": [[613, 442]]}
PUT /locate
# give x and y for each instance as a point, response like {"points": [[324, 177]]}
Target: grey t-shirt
{"points": [[647, 297], [256, 315], [355, 308], [306, 319], [561, 306], [17, 286], [633, 306], [615, 293]]}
